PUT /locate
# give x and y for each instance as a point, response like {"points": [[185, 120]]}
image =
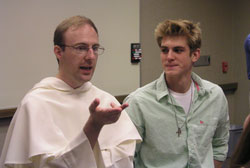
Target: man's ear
{"points": [[195, 55], [58, 52]]}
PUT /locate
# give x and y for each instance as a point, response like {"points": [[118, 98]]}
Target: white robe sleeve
{"points": [[77, 154], [120, 156]]}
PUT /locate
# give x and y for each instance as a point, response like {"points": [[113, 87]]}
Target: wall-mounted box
{"points": [[203, 61]]}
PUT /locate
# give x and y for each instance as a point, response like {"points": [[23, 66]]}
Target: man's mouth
{"points": [[171, 65], [85, 68]]}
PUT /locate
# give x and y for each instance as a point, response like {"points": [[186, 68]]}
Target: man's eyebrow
{"points": [[163, 46], [85, 44], [178, 47], [172, 47]]}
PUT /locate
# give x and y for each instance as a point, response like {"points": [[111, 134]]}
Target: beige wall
{"points": [[223, 36]]}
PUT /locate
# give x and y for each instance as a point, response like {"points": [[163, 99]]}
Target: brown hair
{"points": [[180, 28], [75, 21]]}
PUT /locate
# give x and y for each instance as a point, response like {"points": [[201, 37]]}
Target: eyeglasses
{"points": [[83, 49]]}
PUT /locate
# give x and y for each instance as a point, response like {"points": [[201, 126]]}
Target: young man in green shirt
{"points": [[182, 118]]}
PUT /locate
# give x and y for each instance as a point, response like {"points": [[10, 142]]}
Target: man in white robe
{"points": [[65, 121]]}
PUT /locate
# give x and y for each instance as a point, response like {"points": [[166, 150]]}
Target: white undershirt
{"points": [[184, 99]]}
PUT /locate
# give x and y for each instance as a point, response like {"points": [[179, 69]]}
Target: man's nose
{"points": [[90, 54], [170, 55]]}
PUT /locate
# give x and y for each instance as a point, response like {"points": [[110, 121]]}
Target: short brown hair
{"points": [[180, 28], [75, 21]]}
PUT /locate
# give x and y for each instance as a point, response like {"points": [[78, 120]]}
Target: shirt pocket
{"points": [[203, 131]]}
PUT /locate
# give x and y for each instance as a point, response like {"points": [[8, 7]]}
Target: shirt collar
{"points": [[201, 90], [162, 89]]}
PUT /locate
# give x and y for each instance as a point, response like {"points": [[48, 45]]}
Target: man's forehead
{"points": [[84, 33], [175, 38], [174, 41], [80, 26]]}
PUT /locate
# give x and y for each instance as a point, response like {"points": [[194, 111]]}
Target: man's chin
{"points": [[170, 73], [86, 78]]}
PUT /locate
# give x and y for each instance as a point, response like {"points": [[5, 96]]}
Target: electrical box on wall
{"points": [[224, 67], [203, 61], [135, 52]]}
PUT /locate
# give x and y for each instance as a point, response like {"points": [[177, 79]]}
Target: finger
{"points": [[115, 108], [113, 105], [94, 104], [123, 106]]}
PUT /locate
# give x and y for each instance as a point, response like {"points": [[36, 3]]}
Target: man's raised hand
{"points": [[101, 116]]}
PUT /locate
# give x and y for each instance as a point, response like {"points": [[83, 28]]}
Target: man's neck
{"points": [[179, 84], [72, 84]]}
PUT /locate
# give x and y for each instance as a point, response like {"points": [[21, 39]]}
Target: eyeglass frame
{"points": [[96, 48]]}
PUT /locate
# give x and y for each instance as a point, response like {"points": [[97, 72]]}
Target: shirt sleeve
{"points": [[136, 116], [221, 136]]}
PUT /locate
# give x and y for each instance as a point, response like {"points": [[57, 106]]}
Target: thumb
{"points": [[123, 106]]}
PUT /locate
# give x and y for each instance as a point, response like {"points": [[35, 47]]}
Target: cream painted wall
{"points": [[222, 39], [26, 43]]}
